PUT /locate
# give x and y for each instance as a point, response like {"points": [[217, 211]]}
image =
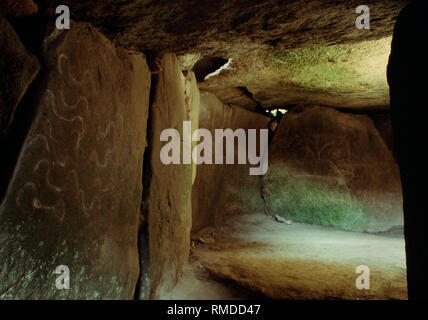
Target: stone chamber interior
{"points": [[82, 184]]}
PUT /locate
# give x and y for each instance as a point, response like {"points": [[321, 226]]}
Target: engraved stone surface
{"points": [[330, 168], [75, 195], [169, 201]]}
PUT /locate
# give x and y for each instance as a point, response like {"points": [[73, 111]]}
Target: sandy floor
{"points": [[255, 256]]}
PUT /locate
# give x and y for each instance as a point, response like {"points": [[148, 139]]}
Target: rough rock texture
{"points": [[284, 52], [169, 200], [188, 61], [332, 168], [221, 189], [303, 262], [75, 195], [18, 68], [219, 26], [342, 75], [237, 96], [17, 8], [192, 100]]}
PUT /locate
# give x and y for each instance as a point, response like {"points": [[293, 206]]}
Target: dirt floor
{"points": [[254, 256]]}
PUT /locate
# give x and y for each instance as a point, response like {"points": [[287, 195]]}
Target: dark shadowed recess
{"points": [[207, 65], [30, 31], [407, 72]]}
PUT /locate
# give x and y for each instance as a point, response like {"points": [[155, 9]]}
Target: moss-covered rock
{"points": [[332, 169]]}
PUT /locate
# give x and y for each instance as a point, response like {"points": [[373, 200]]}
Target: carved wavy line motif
{"points": [[95, 157], [43, 138], [48, 182], [55, 138], [67, 74]]}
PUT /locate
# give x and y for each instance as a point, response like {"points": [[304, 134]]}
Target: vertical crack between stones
{"points": [[142, 291], [278, 119]]}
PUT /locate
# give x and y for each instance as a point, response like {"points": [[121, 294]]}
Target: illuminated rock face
{"points": [[75, 195], [226, 27], [169, 201], [331, 168], [284, 52], [225, 189], [341, 75]]}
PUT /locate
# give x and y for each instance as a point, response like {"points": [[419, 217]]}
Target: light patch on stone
{"points": [[188, 61], [226, 66], [342, 75]]}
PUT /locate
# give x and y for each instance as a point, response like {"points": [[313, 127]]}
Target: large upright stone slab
{"points": [[169, 201], [75, 195], [225, 189], [208, 186], [334, 169], [18, 68]]}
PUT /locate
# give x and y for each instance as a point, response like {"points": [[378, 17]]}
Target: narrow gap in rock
{"points": [[217, 72], [248, 93], [142, 291], [207, 65], [273, 125]]}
